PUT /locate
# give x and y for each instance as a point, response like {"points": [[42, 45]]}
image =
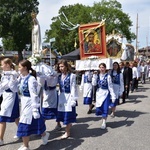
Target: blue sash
{"points": [[64, 86], [103, 84], [115, 78], [24, 88]]}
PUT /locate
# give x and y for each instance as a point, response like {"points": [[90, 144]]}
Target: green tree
{"points": [[15, 23], [116, 19], [65, 38], [110, 10]]}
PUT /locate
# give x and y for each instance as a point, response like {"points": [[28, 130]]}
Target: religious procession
{"points": [[36, 92]]}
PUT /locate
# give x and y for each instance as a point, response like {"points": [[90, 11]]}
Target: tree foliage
{"points": [[65, 39], [116, 19], [15, 23], [110, 10]]}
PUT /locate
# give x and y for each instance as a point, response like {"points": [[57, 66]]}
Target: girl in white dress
{"points": [[118, 85], [86, 85], [67, 97], [103, 93], [10, 105], [31, 121]]}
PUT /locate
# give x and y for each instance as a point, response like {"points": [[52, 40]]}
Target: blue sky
{"points": [[49, 8]]}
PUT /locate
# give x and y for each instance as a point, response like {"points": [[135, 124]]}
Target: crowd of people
{"points": [[30, 119], [108, 87], [41, 100]]}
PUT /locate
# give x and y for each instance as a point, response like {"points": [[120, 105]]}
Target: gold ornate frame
{"points": [[98, 43]]}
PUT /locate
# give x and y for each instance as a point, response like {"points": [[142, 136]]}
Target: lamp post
{"points": [[51, 41]]}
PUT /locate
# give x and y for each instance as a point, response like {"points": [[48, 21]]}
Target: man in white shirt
{"points": [[135, 77]]}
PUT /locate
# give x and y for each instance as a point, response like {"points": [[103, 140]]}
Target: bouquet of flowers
{"points": [[92, 57], [34, 60]]}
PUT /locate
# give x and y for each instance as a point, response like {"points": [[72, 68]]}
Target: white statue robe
{"points": [[36, 38]]}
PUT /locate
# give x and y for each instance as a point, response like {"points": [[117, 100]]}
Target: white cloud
{"points": [[49, 9]]}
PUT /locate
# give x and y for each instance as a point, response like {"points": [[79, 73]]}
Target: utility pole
{"points": [[147, 46], [136, 47]]}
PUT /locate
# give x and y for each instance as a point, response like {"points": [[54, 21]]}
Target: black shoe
{"points": [[89, 112]]}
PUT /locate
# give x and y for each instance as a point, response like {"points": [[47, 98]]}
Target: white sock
{"points": [[104, 122]]}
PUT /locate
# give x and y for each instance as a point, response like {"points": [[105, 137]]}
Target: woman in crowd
{"points": [[67, 97], [118, 85], [104, 90], [31, 121], [86, 85], [10, 105]]}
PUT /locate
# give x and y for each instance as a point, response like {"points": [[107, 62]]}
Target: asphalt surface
{"points": [[129, 130]]}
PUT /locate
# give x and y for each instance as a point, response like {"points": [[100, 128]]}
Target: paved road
{"points": [[129, 130]]}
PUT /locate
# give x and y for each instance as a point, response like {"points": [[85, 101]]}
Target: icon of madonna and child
{"points": [[92, 41]]}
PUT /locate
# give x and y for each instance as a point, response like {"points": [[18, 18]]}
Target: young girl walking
{"points": [[31, 121], [118, 86], [104, 91], [67, 97], [10, 105], [86, 84]]}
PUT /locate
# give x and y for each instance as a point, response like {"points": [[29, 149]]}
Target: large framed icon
{"points": [[92, 40]]}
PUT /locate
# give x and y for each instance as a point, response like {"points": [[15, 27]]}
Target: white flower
{"points": [[93, 57], [34, 60]]}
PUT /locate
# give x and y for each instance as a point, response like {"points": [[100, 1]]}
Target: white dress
{"points": [[9, 89], [50, 93], [101, 94], [68, 92], [50, 97], [86, 85], [118, 84], [30, 100], [67, 99]]}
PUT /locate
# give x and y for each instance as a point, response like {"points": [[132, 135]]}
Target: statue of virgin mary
{"points": [[36, 36]]}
